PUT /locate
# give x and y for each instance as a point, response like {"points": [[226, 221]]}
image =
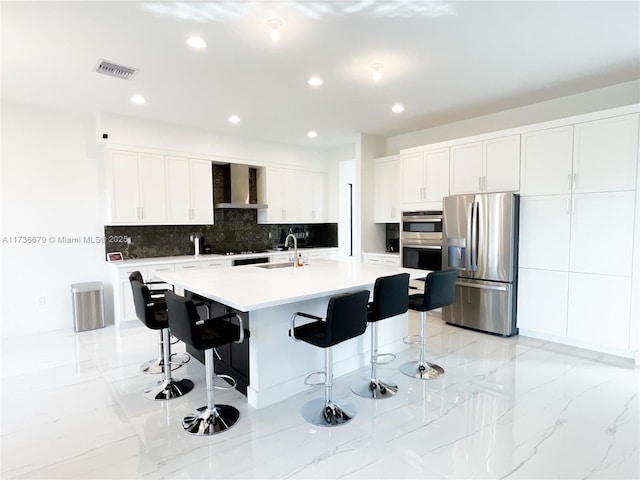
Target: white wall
{"points": [[52, 186], [601, 99], [368, 235], [334, 157], [145, 133]]}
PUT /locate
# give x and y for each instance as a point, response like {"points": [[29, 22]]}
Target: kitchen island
{"points": [[270, 294]]}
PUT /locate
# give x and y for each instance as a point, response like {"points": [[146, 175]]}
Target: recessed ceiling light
{"points": [[312, 134], [397, 108], [315, 81], [377, 72], [138, 99], [234, 119], [275, 25], [196, 42]]}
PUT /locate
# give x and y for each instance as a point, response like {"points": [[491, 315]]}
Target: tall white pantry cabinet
{"points": [[577, 216]]}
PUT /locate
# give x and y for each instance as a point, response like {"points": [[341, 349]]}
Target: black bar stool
{"points": [[156, 365], [439, 290], [346, 318], [154, 316], [186, 324], [390, 298]]}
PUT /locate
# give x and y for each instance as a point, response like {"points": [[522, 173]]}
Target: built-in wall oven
{"points": [[421, 237]]}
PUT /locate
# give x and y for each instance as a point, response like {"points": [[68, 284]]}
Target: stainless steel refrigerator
{"points": [[480, 239]]}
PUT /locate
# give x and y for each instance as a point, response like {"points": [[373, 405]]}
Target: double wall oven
{"points": [[422, 240]]}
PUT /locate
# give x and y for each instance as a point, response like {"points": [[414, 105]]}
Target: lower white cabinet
{"points": [[542, 301], [599, 309], [381, 259]]}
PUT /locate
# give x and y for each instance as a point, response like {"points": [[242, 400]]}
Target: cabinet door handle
{"points": [[480, 183], [141, 213], [569, 182], [568, 209], [575, 178], [573, 206]]}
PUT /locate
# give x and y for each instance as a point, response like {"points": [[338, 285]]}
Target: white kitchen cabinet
{"points": [[278, 188], [486, 166], [596, 156], [185, 266], [213, 264], [312, 198], [545, 229], [189, 191], [424, 178], [542, 301], [136, 188], [612, 142], [387, 189], [599, 310], [381, 259], [292, 196], [602, 233], [547, 161]]}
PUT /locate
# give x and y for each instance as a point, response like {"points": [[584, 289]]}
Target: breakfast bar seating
{"points": [[439, 291], [154, 315], [206, 334], [390, 299], [346, 318]]}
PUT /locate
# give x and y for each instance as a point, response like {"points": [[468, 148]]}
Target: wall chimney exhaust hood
{"points": [[238, 182]]}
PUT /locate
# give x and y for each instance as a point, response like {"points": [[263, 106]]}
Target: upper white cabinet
{"points": [[189, 191], [546, 161], [486, 166], [424, 178], [387, 189], [312, 198], [292, 196], [136, 188], [612, 142], [146, 188], [571, 159]]}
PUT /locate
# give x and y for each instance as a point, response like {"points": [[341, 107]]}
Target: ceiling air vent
{"points": [[115, 70]]}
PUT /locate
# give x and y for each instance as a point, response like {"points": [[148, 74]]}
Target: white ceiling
{"points": [[445, 61]]}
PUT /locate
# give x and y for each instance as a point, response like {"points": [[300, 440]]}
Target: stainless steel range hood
{"points": [[239, 185]]}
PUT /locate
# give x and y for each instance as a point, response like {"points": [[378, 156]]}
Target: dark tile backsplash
{"points": [[234, 229]]}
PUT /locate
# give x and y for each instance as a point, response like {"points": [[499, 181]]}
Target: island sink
{"points": [[276, 265]]}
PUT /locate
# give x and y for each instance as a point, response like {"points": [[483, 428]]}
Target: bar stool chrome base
{"points": [[374, 388], [327, 414], [206, 421], [156, 366], [422, 370], [169, 389]]}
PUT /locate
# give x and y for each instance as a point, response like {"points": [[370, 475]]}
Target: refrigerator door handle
{"points": [[469, 245], [482, 287], [474, 236]]}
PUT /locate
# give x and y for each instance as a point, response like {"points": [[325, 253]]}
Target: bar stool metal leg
{"points": [[212, 418], [156, 366], [168, 388], [325, 412], [374, 387], [421, 369]]}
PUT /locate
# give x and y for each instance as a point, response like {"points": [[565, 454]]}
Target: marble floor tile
{"points": [[73, 407]]}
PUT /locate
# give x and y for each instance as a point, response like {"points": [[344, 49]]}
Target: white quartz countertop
{"points": [[251, 287], [145, 262]]}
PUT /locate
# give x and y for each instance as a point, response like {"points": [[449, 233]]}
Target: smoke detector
{"points": [[113, 69]]}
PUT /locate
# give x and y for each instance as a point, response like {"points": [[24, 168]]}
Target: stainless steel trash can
{"points": [[88, 306]]}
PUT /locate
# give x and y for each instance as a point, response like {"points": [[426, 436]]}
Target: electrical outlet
{"points": [[42, 300]]}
